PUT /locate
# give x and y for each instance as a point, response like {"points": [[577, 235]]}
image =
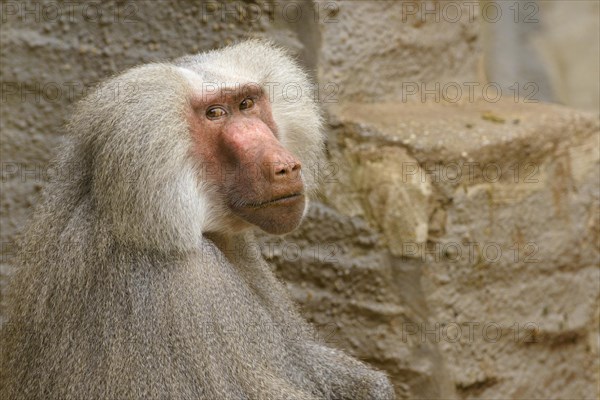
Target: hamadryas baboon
{"points": [[130, 281]]}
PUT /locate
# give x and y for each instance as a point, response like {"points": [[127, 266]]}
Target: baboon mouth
{"points": [[286, 200]]}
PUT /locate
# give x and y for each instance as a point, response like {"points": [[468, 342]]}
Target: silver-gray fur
{"points": [[129, 287]]}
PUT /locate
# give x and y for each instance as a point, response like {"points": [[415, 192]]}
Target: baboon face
{"points": [[241, 157]]}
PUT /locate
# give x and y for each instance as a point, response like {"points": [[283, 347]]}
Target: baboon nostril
{"points": [[286, 168], [282, 171]]}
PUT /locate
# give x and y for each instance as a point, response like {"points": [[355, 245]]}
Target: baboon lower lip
{"points": [[286, 200]]}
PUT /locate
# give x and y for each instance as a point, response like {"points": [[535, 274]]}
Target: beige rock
{"points": [[379, 50], [504, 293], [385, 186]]}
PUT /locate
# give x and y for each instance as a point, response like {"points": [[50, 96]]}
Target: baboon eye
{"points": [[216, 112], [247, 103]]}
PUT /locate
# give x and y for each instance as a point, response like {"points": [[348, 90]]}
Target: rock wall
{"points": [[552, 45], [455, 242], [502, 291]]}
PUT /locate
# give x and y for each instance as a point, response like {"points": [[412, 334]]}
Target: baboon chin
{"points": [[130, 284]]}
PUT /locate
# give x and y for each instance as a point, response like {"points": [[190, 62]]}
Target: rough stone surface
{"points": [[548, 50], [370, 181], [504, 293], [417, 199], [375, 50]]}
